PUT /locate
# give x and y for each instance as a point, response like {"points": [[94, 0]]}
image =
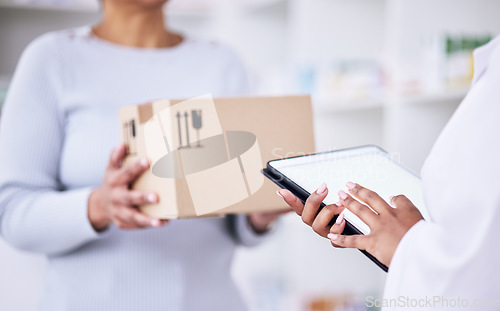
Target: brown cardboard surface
{"points": [[282, 127]]}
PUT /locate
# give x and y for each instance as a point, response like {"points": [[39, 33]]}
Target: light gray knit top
{"points": [[58, 127]]}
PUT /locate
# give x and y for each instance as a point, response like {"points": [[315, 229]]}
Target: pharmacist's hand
{"points": [[262, 222], [114, 202], [387, 224], [320, 222]]}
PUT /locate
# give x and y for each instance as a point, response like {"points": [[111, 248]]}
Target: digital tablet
{"points": [[369, 166]]}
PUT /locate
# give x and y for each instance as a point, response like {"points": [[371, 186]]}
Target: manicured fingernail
{"points": [[338, 204], [278, 193], [350, 185], [390, 198], [152, 198], [155, 223], [332, 236], [342, 195], [339, 219], [144, 162], [321, 189], [114, 153]]}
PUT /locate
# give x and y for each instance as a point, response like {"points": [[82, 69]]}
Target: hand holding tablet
{"points": [[364, 212], [388, 224]]}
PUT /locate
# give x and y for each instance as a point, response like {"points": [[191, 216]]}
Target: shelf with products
{"points": [[330, 103], [443, 96]]}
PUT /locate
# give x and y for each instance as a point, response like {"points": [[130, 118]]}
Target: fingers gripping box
{"points": [[206, 154]]}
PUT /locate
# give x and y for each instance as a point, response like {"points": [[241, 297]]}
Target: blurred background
{"points": [[384, 72]]}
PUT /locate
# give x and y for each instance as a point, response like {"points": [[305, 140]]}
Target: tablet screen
{"points": [[368, 166]]}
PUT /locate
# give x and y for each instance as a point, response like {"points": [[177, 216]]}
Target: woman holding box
{"points": [[452, 261], [62, 195]]}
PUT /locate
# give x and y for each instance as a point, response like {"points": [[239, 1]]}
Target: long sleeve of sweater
{"points": [[36, 213]]}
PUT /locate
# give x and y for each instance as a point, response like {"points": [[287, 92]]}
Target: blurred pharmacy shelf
{"points": [[328, 104], [334, 104], [436, 97]]}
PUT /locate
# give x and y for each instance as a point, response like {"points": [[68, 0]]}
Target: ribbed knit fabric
{"points": [[58, 127]]}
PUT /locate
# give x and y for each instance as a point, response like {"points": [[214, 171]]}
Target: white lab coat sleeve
{"points": [[36, 213], [452, 261], [419, 258]]}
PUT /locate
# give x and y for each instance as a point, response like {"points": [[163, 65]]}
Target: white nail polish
{"points": [[151, 198], [339, 219], [321, 189], [332, 236], [278, 193]]}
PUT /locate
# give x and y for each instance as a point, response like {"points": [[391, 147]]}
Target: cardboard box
{"points": [[207, 154]]}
